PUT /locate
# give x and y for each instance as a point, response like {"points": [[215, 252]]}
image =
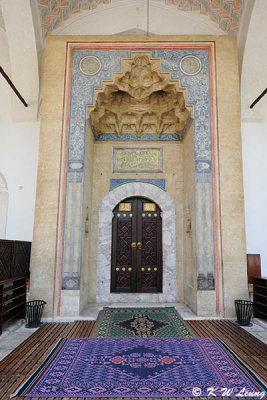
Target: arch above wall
{"points": [[166, 203]]}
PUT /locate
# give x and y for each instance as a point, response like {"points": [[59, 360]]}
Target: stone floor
{"points": [[258, 329], [92, 310], [15, 333]]}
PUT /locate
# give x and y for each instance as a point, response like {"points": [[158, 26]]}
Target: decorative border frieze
{"points": [[201, 94]]}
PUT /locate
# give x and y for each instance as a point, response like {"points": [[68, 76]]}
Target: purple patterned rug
{"points": [[142, 367]]}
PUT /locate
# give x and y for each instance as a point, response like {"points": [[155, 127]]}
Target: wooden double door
{"points": [[136, 247]]}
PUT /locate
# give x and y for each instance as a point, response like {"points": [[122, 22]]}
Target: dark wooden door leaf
{"points": [[136, 247]]}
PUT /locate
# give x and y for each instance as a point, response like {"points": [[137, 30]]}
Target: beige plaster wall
{"points": [[231, 180], [46, 211], [189, 256], [173, 174], [86, 275]]}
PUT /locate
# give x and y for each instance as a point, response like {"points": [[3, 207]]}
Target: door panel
{"points": [[123, 274], [136, 247], [149, 273]]}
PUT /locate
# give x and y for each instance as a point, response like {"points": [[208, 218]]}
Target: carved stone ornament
{"points": [[205, 282], [141, 99], [71, 283]]}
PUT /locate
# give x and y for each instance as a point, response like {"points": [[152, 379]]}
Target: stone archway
{"points": [[167, 206]]}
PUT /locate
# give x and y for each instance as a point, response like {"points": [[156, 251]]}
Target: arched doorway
{"points": [[168, 215], [136, 261]]}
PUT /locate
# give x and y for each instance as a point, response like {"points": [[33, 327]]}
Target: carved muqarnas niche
{"points": [[140, 100]]}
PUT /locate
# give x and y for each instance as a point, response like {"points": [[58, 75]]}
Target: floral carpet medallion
{"points": [[141, 322], [140, 367]]}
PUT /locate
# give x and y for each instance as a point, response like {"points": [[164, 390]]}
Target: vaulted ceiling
{"points": [[225, 13], [33, 20], [23, 43]]}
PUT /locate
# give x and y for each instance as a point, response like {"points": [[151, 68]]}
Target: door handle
{"points": [[139, 245], [133, 245]]}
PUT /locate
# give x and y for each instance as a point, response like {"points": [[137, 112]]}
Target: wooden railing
{"points": [[14, 259], [12, 300]]}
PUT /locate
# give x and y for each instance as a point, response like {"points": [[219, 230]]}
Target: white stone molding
{"points": [[3, 183], [3, 206], [167, 206]]}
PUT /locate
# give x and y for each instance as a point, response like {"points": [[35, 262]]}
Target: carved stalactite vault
{"points": [[141, 100]]}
